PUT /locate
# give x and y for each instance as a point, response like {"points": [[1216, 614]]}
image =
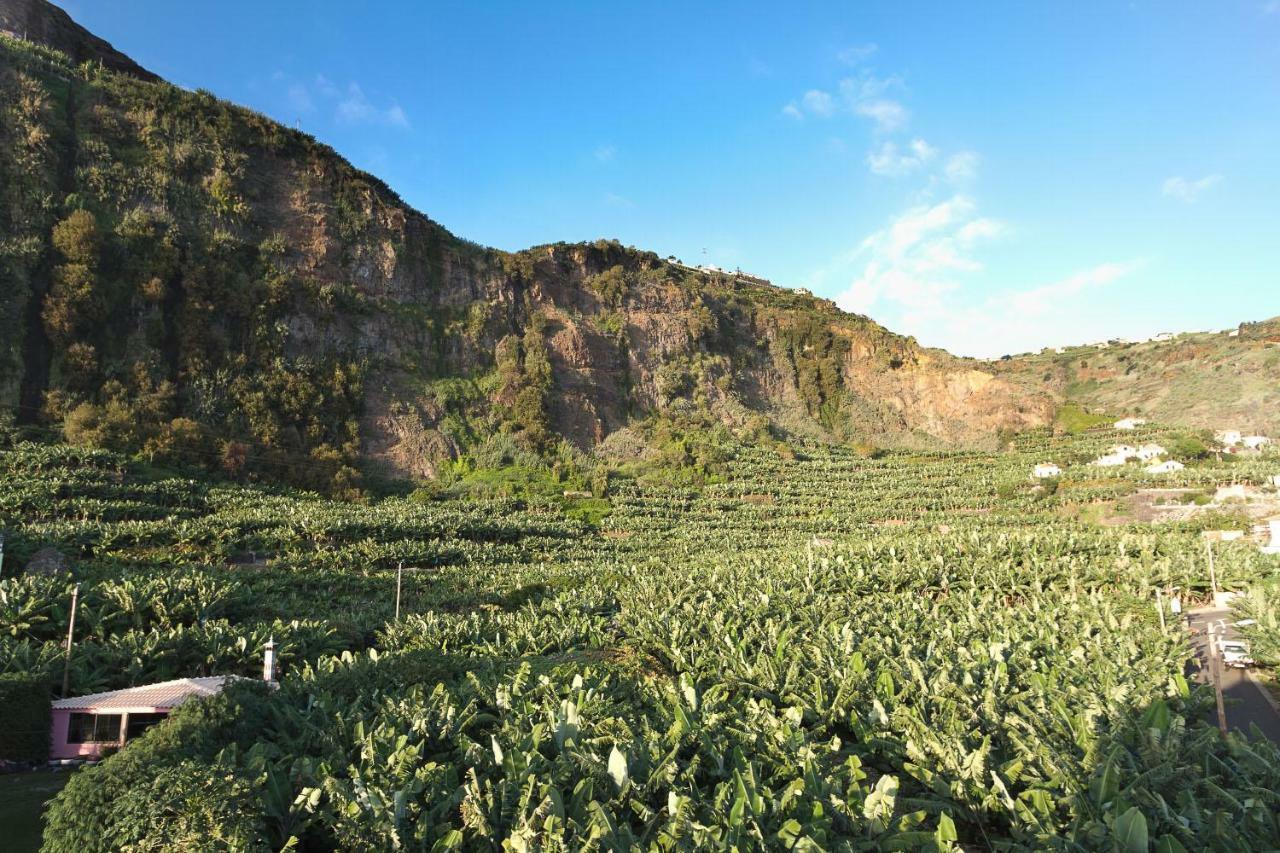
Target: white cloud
{"points": [[863, 95], [912, 275], [1187, 190], [888, 115], [620, 201], [913, 261], [890, 161], [356, 108], [859, 53], [605, 153], [349, 103], [962, 167], [818, 102]]}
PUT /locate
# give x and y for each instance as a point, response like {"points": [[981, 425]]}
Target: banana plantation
{"points": [[920, 651]]}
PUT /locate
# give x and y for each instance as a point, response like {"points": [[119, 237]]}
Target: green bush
{"points": [[25, 709]]}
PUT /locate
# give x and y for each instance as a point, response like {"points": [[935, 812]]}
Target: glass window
{"points": [[80, 728], [93, 728], [139, 723]]}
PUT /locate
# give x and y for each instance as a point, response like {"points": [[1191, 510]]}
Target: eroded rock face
{"points": [[40, 21]]}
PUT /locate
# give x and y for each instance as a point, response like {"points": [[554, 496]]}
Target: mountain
{"points": [[189, 279]]}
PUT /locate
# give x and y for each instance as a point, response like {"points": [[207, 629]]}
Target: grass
{"points": [[22, 800], [1073, 419]]}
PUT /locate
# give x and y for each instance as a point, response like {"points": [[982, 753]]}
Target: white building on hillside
{"points": [[1046, 470], [1166, 467], [1255, 442], [1147, 452], [1110, 460], [1228, 438], [1130, 423], [1125, 450]]}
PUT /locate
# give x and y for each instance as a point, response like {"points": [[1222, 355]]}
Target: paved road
{"points": [[1245, 699]]}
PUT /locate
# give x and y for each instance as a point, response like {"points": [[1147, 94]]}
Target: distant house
{"points": [[85, 726], [1109, 460], [1255, 442], [1046, 470], [1166, 467], [1229, 437], [1130, 423], [1163, 336], [1147, 452], [1124, 450]]}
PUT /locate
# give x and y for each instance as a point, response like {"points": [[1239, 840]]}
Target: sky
{"points": [[991, 178]]}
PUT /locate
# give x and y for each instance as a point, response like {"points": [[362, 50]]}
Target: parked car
{"points": [[1235, 653]]}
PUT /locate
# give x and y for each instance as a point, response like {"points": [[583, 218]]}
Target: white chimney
{"points": [[269, 661]]}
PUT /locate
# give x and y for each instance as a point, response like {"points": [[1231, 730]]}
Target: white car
{"points": [[1235, 653]]}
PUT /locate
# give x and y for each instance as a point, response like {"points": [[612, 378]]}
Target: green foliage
{"points": [[25, 710], [1073, 419]]}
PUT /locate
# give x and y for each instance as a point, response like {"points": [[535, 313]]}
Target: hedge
{"points": [[25, 712]]}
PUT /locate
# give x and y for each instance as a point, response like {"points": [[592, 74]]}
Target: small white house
{"points": [[1045, 471], [1255, 442], [1109, 460], [1130, 423], [1163, 336], [1166, 467], [1147, 452], [1125, 450], [1229, 437]]}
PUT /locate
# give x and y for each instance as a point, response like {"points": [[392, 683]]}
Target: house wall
{"points": [[60, 750]]}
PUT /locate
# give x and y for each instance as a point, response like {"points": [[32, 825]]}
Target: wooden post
{"points": [[71, 633], [1160, 609], [1213, 574], [1215, 667], [399, 575]]}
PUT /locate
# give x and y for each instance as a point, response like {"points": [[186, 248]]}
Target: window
{"points": [[139, 723], [94, 728]]}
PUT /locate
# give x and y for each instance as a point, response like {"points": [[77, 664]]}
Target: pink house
{"points": [[84, 726]]}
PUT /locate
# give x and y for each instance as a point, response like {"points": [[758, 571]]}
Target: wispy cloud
{"points": [[864, 95], [962, 167], [915, 273], [891, 161], [348, 103], [859, 53], [605, 153], [1187, 190]]}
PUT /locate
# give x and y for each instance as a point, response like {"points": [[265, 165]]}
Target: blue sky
{"points": [[989, 177]]}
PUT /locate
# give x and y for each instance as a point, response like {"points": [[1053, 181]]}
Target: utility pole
{"points": [[399, 575], [71, 632], [1215, 668], [1213, 574]]}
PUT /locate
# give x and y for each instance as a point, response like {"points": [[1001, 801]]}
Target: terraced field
{"points": [[828, 652]]}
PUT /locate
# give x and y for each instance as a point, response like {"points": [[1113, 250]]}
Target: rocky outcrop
{"points": [[42, 22]]}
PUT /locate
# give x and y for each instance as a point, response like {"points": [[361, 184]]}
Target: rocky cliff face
{"points": [[43, 23], [183, 273]]}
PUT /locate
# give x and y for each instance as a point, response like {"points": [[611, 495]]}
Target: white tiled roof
{"points": [[165, 694]]}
